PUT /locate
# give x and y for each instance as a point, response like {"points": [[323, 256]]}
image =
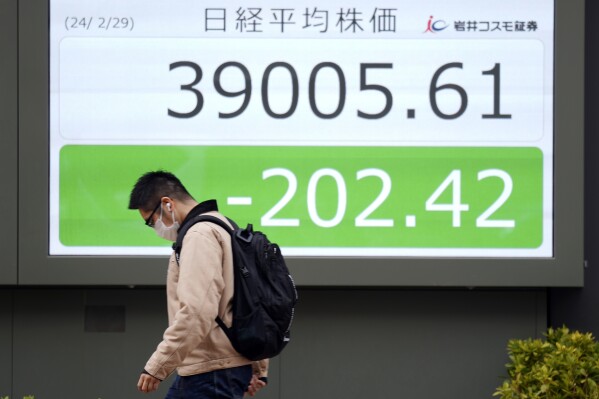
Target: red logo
{"points": [[435, 26]]}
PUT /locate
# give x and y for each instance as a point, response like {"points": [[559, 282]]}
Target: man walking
{"points": [[199, 288]]}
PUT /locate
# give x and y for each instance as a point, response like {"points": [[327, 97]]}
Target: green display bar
{"points": [[318, 197]]}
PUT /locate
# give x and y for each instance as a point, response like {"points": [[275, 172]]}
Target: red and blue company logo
{"points": [[435, 26]]}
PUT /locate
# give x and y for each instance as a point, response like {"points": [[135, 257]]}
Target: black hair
{"points": [[152, 186]]}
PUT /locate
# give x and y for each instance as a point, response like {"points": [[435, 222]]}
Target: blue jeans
{"points": [[219, 384]]}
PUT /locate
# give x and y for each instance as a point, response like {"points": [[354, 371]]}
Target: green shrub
{"points": [[565, 365]]}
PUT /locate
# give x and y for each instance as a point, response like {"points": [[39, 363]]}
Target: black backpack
{"points": [[264, 293]]}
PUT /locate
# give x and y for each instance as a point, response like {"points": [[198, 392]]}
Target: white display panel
{"points": [[351, 92]]}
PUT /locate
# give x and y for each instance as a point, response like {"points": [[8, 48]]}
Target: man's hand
{"points": [[147, 383], [255, 385]]}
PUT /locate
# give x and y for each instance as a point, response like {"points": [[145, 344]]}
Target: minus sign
{"points": [[239, 201]]}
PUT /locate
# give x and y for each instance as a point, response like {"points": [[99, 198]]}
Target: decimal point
{"points": [[411, 113], [410, 221]]}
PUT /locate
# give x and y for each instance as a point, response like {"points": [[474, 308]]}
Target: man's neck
{"points": [[185, 208]]}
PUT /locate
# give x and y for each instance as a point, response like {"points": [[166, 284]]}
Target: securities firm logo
{"points": [[435, 26]]}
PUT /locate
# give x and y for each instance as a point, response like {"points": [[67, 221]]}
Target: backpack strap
{"points": [[178, 245]]}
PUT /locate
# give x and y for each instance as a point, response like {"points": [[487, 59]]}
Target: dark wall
{"points": [[579, 308], [424, 344], [6, 341]]}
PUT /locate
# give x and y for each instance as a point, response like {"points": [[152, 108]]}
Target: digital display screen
{"points": [[393, 128]]}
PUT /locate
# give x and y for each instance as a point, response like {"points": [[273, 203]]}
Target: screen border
{"points": [[8, 140], [564, 269]]}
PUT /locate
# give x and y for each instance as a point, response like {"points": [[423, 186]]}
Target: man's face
{"points": [[151, 216]]}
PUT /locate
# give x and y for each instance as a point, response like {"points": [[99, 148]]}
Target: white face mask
{"points": [[167, 232]]}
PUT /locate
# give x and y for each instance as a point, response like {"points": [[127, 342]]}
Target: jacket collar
{"points": [[203, 207]]}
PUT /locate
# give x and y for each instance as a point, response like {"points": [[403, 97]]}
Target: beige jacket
{"points": [[198, 289]]}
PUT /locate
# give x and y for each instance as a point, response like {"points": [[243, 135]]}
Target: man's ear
{"points": [[167, 201]]}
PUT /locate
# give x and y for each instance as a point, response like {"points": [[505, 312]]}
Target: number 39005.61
{"points": [[246, 91]]}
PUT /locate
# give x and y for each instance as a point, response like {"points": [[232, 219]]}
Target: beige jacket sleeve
{"points": [[199, 289]]}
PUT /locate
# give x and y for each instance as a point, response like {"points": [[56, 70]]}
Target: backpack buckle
{"points": [[245, 272], [248, 231]]}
